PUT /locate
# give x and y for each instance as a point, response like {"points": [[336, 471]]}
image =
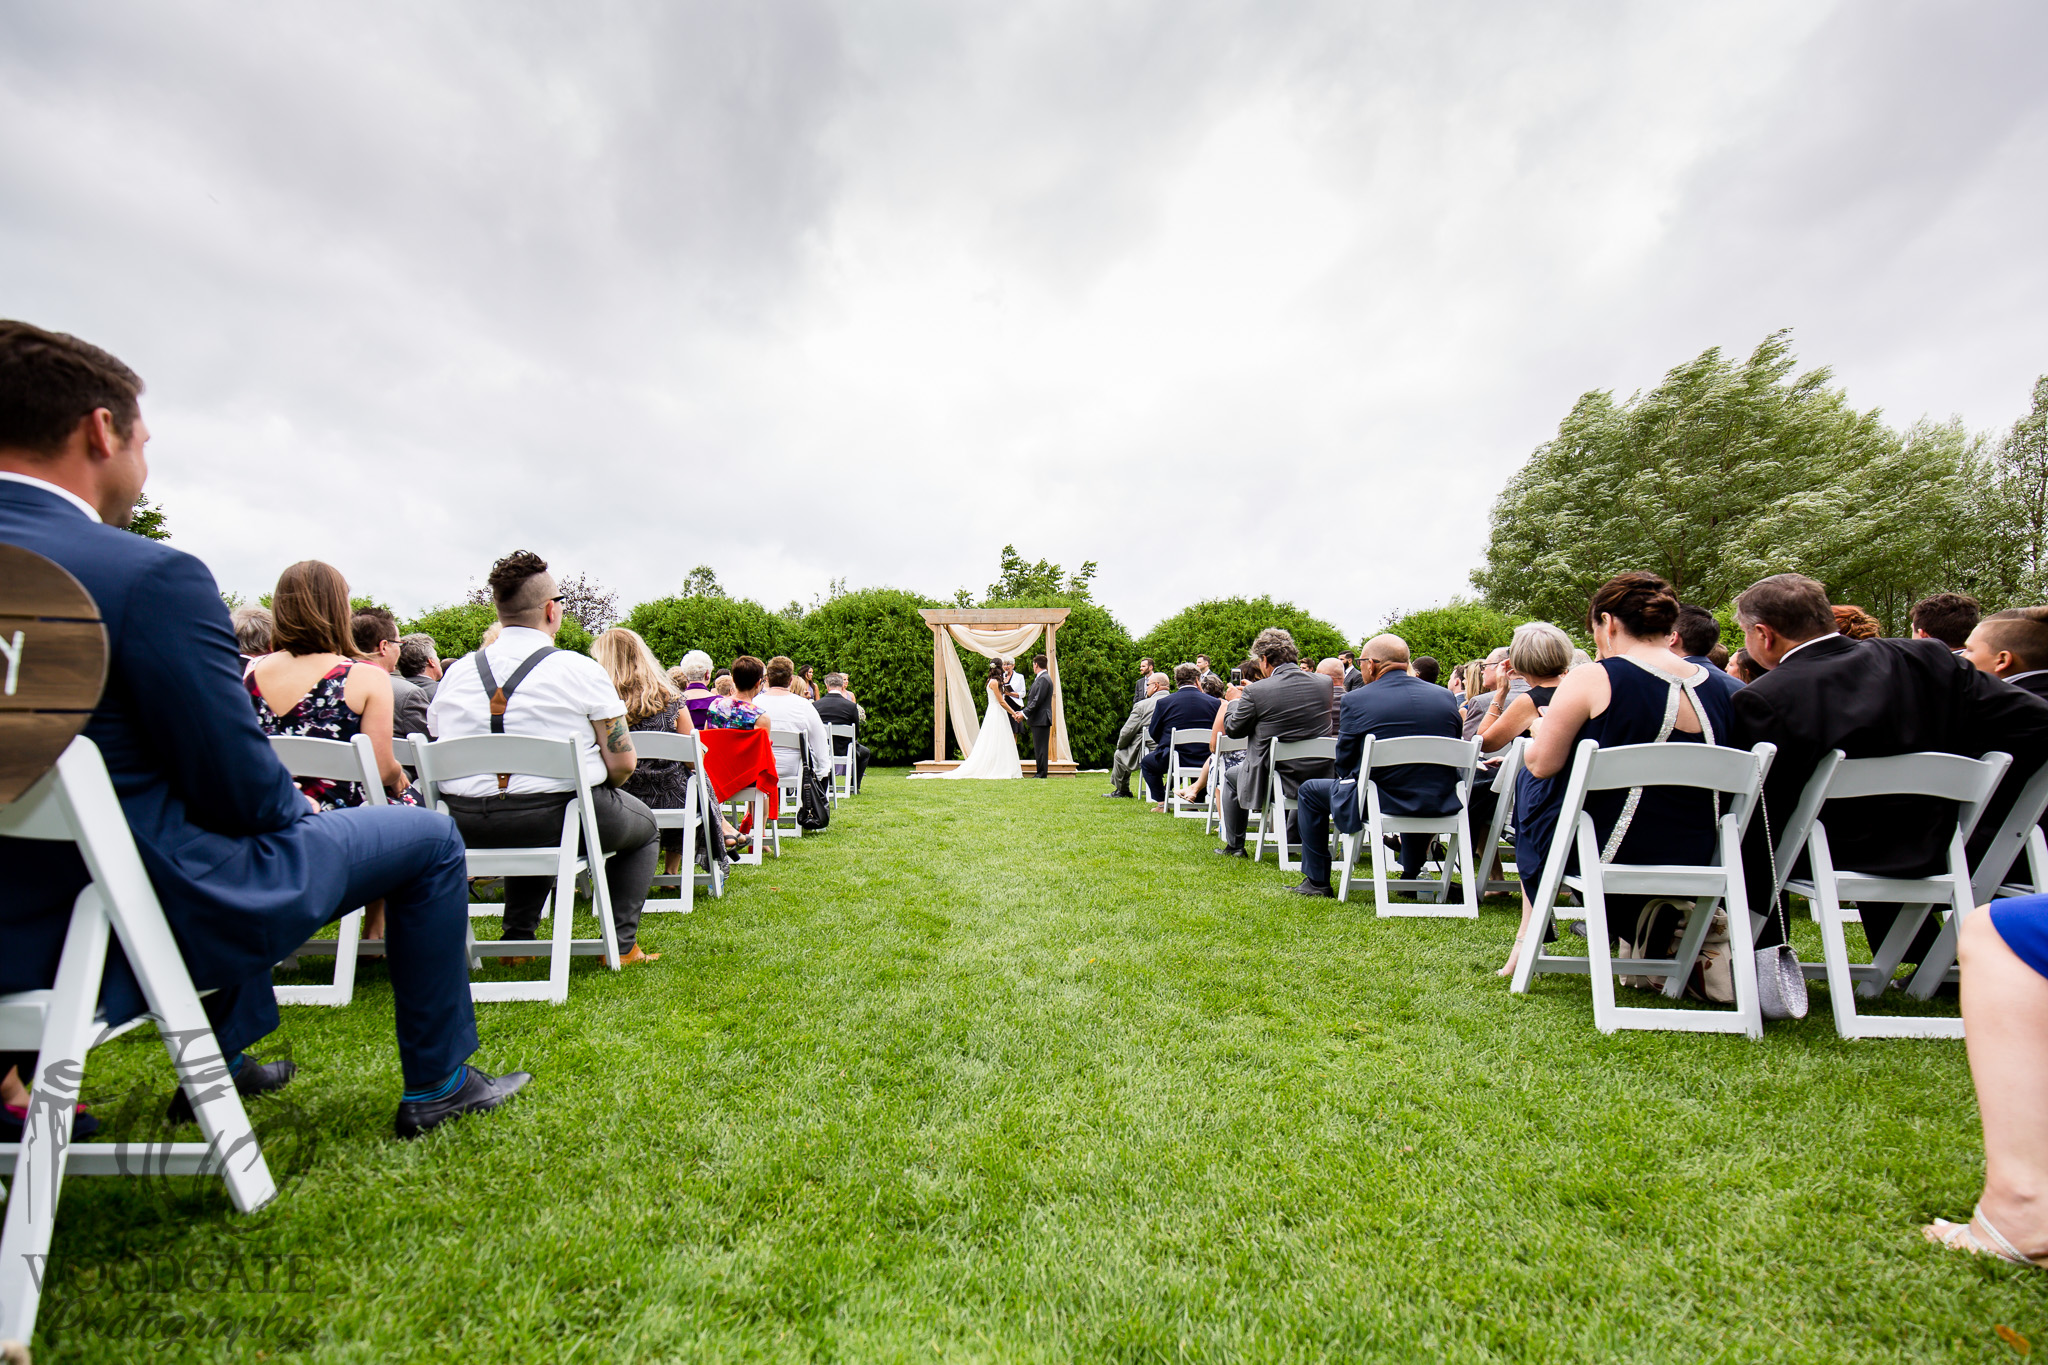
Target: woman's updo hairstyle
{"points": [[1642, 603]]}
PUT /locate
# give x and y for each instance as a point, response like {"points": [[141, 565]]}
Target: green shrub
{"points": [[877, 639], [458, 630], [723, 627], [1224, 629], [1453, 634], [1097, 663]]}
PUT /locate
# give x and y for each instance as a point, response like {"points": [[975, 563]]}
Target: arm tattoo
{"points": [[616, 739]]}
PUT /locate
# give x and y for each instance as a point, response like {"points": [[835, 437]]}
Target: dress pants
{"points": [[625, 829], [1323, 798], [1041, 746], [1155, 765]]}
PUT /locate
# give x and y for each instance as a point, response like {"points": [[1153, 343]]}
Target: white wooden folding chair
{"points": [[334, 761], [1455, 829], [1714, 772], [555, 760], [1222, 746], [1991, 877], [752, 802], [697, 810], [1179, 777], [1278, 804], [789, 791], [1969, 782], [1498, 848], [845, 767], [75, 803]]}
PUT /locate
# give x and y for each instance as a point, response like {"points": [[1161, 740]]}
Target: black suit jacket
{"points": [[1185, 708], [1292, 704], [835, 709], [1038, 702], [1396, 706], [1872, 699]]}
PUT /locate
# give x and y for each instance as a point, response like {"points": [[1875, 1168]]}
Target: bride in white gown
{"points": [[995, 753]]}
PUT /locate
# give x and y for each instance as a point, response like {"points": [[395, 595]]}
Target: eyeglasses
{"points": [[558, 599]]}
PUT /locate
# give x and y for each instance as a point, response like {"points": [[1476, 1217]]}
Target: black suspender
{"points": [[501, 695]]}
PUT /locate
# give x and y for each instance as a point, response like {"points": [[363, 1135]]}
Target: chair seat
{"points": [[518, 862], [1912, 890], [1659, 879]]}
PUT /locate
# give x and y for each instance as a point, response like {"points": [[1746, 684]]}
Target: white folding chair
{"points": [[1498, 849], [696, 810], [1213, 820], [1278, 804], [788, 790], [1180, 777], [1711, 770], [557, 760], [845, 767], [1462, 757], [333, 761], [1969, 782], [1991, 878], [75, 803]]}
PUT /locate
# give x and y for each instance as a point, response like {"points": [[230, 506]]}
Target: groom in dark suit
{"points": [[1038, 712], [243, 867]]}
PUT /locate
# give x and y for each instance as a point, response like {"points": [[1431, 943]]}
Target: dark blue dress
{"points": [[1671, 824]]}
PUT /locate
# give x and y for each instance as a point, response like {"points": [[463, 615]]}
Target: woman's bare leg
{"points": [[1521, 932], [2005, 1027], [373, 919]]}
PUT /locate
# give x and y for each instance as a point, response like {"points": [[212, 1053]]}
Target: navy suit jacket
{"points": [[1185, 708], [1396, 706], [217, 819]]}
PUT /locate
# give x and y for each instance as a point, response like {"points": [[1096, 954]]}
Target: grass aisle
{"points": [[1004, 1071]]}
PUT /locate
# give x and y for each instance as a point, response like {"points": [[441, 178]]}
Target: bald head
{"points": [[1386, 649], [1333, 669]]}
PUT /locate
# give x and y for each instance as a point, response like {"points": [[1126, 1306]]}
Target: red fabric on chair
{"points": [[735, 760]]}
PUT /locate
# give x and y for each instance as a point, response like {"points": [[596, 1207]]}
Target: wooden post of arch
{"points": [[938, 695], [940, 618]]}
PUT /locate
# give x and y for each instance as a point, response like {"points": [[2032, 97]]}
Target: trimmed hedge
{"points": [[460, 629], [1456, 633], [1224, 630], [877, 639], [723, 627]]}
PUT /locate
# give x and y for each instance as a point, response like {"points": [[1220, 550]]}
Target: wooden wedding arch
{"points": [[939, 619]]}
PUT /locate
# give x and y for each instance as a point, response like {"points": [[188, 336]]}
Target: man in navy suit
{"points": [[1187, 707], [1391, 703], [244, 868]]}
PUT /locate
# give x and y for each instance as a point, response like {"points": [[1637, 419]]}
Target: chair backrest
{"points": [[666, 745], [406, 750], [1439, 750], [840, 731], [444, 760], [1968, 782], [1998, 856], [1180, 737], [1737, 774], [332, 760], [1228, 745], [53, 664], [1322, 746], [786, 739]]}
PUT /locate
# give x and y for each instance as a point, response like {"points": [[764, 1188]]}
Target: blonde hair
{"points": [[635, 673]]}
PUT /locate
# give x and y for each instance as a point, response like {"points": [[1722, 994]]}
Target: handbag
{"points": [[813, 805], [1780, 984]]}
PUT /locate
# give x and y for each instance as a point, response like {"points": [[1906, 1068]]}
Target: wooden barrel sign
{"points": [[53, 665]]}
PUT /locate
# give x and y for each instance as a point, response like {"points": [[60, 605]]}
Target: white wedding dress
{"points": [[995, 753]]}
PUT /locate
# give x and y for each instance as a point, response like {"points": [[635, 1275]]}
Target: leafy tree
{"points": [[1224, 630], [2019, 473], [1022, 580], [1456, 633], [877, 639], [148, 519], [723, 627], [700, 582], [362, 602], [584, 599]]}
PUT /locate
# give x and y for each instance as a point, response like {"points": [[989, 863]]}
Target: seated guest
{"points": [[1480, 678], [1869, 700], [791, 713], [1225, 693], [1333, 670], [736, 709], [1285, 704], [1857, 624], [1948, 617], [376, 639], [419, 661], [2003, 949], [837, 707], [1391, 703], [553, 694], [1640, 692], [2012, 645], [1133, 737], [243, 867], [1187, 707], [653, 703], [1427, 669], [693, 676], [1540, 655], [1717, 657], [252, 631], [1742, 668], [1699, 635], [722, 684]]}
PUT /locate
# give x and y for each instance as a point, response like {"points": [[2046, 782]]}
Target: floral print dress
{"points": [[323, 713]]}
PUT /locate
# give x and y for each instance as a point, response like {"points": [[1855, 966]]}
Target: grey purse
{"points": [[1780, 984]]}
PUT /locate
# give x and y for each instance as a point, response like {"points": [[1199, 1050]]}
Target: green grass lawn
{"points": [[1005, 1071]]}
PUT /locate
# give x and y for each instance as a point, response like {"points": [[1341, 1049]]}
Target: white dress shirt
{"points": [[789, 712], [558, 700]]}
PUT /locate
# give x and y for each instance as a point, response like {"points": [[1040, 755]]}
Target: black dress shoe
{"points": [[255, 1078], [1229, 851], [1309, 888], [1125, 795], [477, 1093]]}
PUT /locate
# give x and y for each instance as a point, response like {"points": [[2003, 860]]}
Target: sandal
{"points": [[1963, 1237]]}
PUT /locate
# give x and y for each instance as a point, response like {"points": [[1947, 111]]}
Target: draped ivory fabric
{"points": [[992, 642]]}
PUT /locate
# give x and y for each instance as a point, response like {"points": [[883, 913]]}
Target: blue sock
{"points": [[235, 1063], [438, 1092]]}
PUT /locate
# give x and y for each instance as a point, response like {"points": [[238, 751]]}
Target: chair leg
{"points": [[1834, 943], [1376, 849]]}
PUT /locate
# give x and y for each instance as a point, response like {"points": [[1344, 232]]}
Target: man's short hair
{"points": [[252, 629], [2021, 632], [50, 381], [835, 682], [1428, 669], [1276, 646], [371, 627], [1213, 684], [1947, 616], [1791, 604], [1698, 631], [1038, 661], [780, 670], [1183, 674], [415, 652], [1201, 659], [516, 586], [746, 672]]}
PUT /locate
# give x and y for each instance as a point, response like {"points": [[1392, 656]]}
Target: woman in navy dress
{"points": [[1641, 692]]}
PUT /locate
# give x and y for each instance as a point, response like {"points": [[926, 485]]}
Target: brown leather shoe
{"points": [[638, 954]]}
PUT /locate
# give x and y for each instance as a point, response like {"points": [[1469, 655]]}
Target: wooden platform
{"points": [[1056, 768]]}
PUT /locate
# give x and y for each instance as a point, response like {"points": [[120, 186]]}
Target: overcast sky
{"points": [[1232, 298]]}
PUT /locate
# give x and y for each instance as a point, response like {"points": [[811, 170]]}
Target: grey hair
{"points": [[1540, 650], [695, 666], [415, 651], [1276, 646], [253, 627], [835, 680]]}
